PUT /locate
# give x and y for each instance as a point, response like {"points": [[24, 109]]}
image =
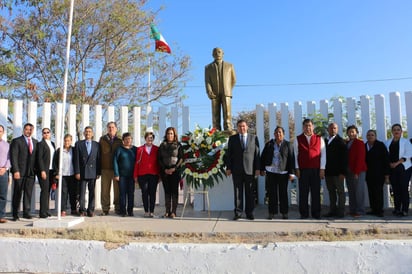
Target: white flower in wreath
{"points": [[195, 175], [198, 140], [218, 143], [209, 140], [210, 173], [214, 170], [205, 176], [188, 172]]}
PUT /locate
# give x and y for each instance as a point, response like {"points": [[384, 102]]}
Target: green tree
{"points": [[110, 54]]}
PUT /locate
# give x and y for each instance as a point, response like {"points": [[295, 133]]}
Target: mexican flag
{"points": [[161, 44]]}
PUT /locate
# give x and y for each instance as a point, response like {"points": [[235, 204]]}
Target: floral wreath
{"points": [[204, 149]]}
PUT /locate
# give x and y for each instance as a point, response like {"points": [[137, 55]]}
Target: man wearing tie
{"points": [[243, 162], [87, 170], [23, 158]]}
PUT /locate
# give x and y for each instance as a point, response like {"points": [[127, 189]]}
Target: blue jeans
{"points": [[4, 185], [126, 189]]}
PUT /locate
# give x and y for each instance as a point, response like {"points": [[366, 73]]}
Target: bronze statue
{"points": [[220, 79]]}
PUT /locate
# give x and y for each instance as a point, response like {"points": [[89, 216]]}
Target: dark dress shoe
{"points": [[43, 216], [48, 214], [90, 214], [285, 216], [130, 214], [16, 218], [236, 217], [271, 216], [250, 217], [27, 216]]}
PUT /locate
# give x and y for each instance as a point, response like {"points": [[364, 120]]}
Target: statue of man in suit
{"points": [[220, 79]]}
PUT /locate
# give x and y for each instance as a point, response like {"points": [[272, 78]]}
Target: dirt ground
{"points": [[114, 239]]}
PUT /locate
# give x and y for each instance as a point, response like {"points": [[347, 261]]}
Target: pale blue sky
{"points": [[277, 44]]}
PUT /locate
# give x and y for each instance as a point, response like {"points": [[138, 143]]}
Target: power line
{"points": [[317, 83]]}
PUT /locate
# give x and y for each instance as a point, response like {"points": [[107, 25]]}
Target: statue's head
{"points": [[217, 54]]}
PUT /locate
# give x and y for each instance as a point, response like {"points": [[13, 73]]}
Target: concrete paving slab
{"points": [[54, 222]]}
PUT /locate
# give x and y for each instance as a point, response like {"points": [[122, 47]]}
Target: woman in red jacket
{"points": [[355, 178], [146, 173]]}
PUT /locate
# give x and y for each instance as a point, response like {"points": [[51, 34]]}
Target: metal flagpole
{"points": [[66, 72], [149, 114]]}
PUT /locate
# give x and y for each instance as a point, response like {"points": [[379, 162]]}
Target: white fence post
{"points": [[46, 118], [18, 118], [174, 120], [408, 109], [58, 129], [185, 119], [98, 123], [284, 114], [124, 119], [395, 107], [351, 111], [311, 109], [272, 119], [136, 126], [380, 112], [85, 119], [337, 114], [111, 117], [298, 115]]}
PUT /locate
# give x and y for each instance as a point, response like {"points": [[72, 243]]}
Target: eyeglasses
{"points": [[46, 132]]}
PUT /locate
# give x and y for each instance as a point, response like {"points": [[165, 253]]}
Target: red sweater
{"points": [[146, 163], [309, 154], [357, 157]]}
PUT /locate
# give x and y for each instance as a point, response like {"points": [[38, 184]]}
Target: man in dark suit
{"points": [[220, 79], [87, 170], [335, 171], [243, 162], [278, 162], [23, 158], [45, 153]]}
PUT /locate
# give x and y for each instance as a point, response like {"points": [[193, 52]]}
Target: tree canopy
{"points": [[111, 52]]}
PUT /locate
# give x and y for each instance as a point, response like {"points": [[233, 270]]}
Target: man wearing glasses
{"points": [[45, 154]]}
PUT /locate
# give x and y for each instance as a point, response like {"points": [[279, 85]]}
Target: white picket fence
{"points": [[372, 113]]}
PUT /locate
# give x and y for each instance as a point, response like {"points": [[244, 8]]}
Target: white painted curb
{"points": [[73, 256]]}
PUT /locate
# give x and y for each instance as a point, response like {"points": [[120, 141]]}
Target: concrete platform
{"points": [[54, 222], [220, 221]]}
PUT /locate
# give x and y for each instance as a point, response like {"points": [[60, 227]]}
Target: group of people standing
{"points": [[365, 166], [119, 164]]}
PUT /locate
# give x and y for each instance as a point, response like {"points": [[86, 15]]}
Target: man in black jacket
{"points": [[335, 171], [45, 153], [23, 158]]}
